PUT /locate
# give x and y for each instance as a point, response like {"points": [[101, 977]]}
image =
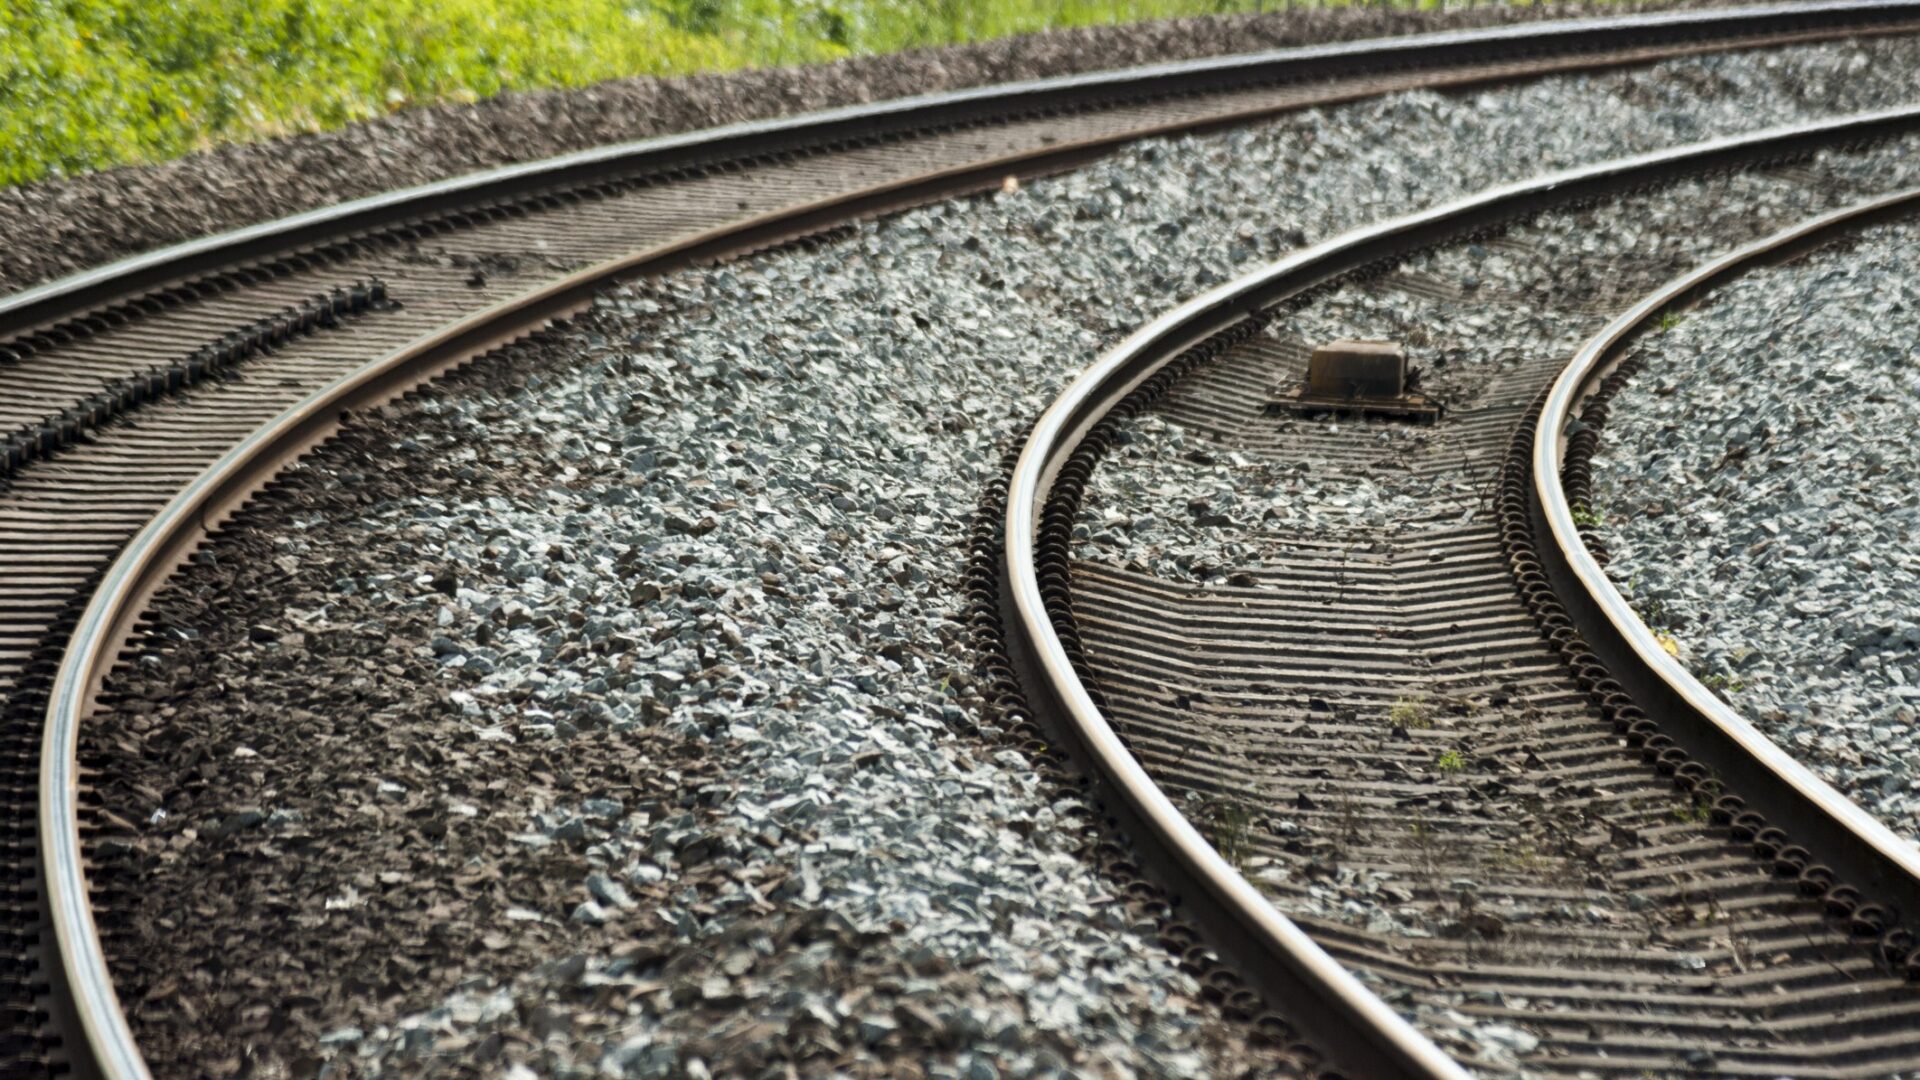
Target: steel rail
{"points": [[1316, 992], [1859, 847], [83, 996], [100, 1040], [81, 985], [753, 140]]}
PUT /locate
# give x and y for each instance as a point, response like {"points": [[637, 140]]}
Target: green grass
{"points": [[1228, 826], [86, 84], [1699, 810], [1411, 712]]}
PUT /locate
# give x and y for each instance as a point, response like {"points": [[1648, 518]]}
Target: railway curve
{"points": [[431, 278], [1113, 666]]}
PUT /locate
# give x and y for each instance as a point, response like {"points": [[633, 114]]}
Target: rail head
{"points": [[1366, 1034], [102, 1027], [1864, 849], [1362, 1024], [68, 295], [82, 985]]}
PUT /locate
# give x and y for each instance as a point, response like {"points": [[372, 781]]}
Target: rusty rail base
{"points": [[81, 995], [734, 144], [1270, 949], [1860, 850]]}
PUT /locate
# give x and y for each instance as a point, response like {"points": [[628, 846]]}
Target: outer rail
{"points": [[84, 993], [1367, 1036], [84, 1000], [100, 1038], [1859, 847], [881, 120]]}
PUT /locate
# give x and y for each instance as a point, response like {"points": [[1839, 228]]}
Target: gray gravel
{"points": [[57, 227], [1172, 503], [1176, 504], [1757, 484], [742, 525]]}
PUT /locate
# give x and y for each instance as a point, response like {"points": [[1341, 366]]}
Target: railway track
{"points": [[147, 399], [1418, 713]]}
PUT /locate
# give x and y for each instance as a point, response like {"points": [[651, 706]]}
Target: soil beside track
{"points": [[59, 227], [245, 618], [851, 786]]}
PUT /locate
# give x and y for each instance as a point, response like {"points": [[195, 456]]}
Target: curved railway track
{"points": [[1764, 936], [1863, 851], [129, 434]]}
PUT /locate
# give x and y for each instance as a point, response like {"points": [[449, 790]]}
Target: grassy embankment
{"points": [[87, 84]]}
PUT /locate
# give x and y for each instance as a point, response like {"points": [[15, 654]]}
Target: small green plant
{"points": [[1591, 517], [1699, 810], [1450, 762], [1518, 858], [1228, 825], [1668, 643], [1731, 684], [1653, 610], [1668, 320], [1412, 712]]}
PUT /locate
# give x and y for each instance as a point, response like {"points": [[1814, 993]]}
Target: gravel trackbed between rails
{"points": [[653, 631], [1206, 521]]}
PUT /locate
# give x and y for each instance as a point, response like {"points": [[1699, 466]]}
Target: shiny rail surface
{"points": [[171, 446], [1055, 656], [871, 123], [1858, 848]]}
